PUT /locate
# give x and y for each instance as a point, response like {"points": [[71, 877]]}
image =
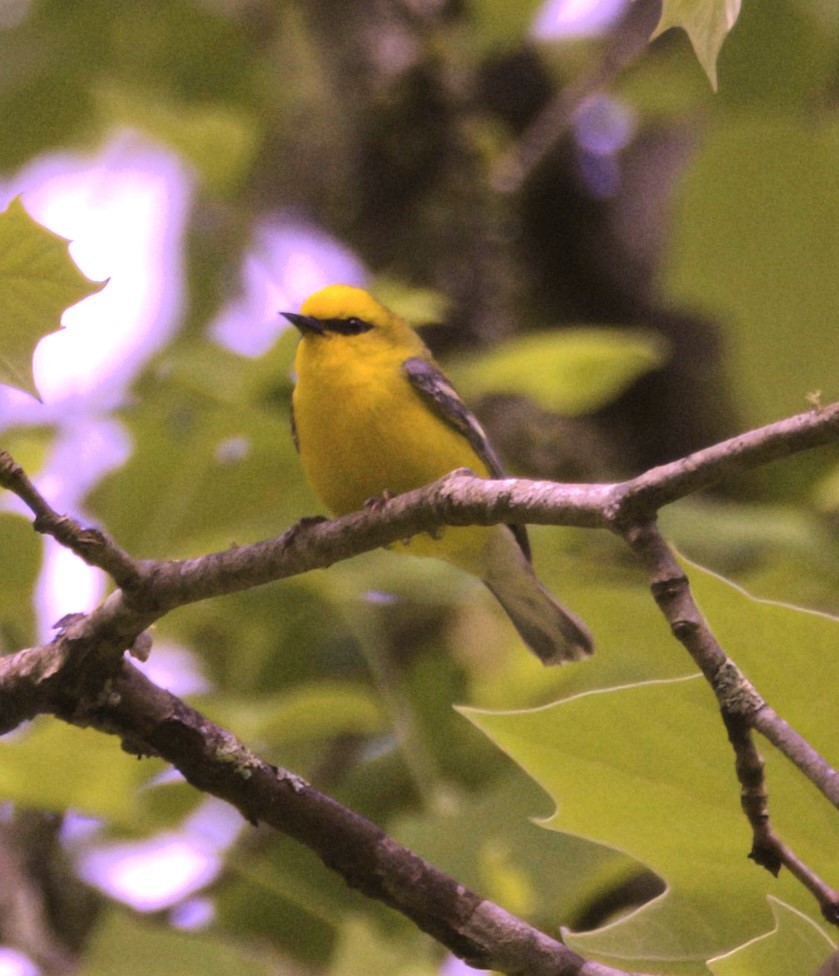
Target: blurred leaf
{"points": [[756, 246], [419, 306], [795, 945], [20, 548], [760, 75], [260, 642], [125, 946], [611, 758], [547, 878], [162, 804], [53, 766], [827, 491], [498, 24], [707, 23], [38, 281], [573, 371], [309, 712], [213, 459], [279, 892], [364, 950], [218, 140]]}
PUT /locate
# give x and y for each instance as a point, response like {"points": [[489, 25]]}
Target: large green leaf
{"points": [[795, 945], [647, 769], [573, 371], [38, 281], [543, 877], [707, 23]]}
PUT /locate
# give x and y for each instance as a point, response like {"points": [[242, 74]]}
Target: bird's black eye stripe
{"points": [[350, 326]]}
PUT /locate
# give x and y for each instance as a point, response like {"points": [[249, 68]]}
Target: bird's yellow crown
{"points": [[343, 302]]}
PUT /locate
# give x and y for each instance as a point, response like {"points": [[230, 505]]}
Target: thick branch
{"points": [[153, 587], [651, 491], [153, 721]]}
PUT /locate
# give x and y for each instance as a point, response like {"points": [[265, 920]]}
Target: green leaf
{"points": [[218, 140], [53, 766], [420, 306], [364, 950], [38, 281], [21, 553], [316, 710], [755, 247], [125, 946], [647, 769], [573, 371], [707, 23], [280, 894], [827, 491], [500, 24], [538, 875], [795, 945], [213, 460]]}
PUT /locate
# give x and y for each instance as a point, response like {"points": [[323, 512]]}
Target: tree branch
{"points": [[92, 545], [742, 708], [153, 721], [81, 677]]}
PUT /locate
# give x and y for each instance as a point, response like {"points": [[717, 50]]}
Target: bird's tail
{"points": [[554, 634]]}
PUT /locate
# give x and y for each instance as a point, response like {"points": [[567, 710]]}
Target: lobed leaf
{"points": [[38, 281], [795, 945], [646, 768], [707, 23]]}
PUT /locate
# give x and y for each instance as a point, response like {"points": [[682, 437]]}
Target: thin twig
{"points": [[92, 545], [626, 42], [768, 849], [740, 705]]}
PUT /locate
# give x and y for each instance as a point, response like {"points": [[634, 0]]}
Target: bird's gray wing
{"points": [[436, 391], [294, 436]]}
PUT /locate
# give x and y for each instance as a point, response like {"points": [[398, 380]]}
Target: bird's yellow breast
{"points": [[362, 428]]}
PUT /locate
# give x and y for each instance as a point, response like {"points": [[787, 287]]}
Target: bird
{"points": [[373, 416]]}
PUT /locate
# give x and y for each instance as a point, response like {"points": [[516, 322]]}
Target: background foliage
{"points": [[664, 276]]}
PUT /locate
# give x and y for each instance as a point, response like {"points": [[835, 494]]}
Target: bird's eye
{"points": [[352, 325]]}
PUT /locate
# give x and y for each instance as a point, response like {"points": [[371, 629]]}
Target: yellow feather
{"points": [[363, 429]]}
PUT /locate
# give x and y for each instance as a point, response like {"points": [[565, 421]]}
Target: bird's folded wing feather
{"points": [[435, 389]]}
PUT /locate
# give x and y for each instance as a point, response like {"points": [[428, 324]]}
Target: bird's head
{"points": [[345, 311]]}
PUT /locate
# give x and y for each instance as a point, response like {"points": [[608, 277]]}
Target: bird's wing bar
{"points": [[438, 393]]}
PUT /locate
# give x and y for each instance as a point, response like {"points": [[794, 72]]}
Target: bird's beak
{"points": [[305, 323]]}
